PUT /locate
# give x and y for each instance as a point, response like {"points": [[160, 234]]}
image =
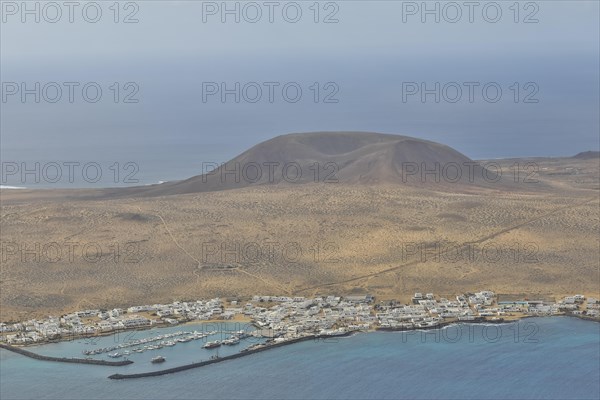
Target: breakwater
{"points": [[64, 359], [221, 359]]}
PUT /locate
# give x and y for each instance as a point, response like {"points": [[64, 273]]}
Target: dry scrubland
{"points": [[360, 232]]}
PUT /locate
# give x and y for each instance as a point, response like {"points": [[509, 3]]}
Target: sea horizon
{"points": [[128, 166]]}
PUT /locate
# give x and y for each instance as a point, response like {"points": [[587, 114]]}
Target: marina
{"points": [[283, 318], [278, 321], [64, 359], [212, 345], [160, 341], [395, 359], [213, 360], [328, 357]]}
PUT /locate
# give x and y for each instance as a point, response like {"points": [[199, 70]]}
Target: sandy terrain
{"points": [[386, 240]]}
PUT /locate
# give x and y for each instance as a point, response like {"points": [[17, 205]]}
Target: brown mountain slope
{"points": [[587, 155], [337, 157], [67, 250]]}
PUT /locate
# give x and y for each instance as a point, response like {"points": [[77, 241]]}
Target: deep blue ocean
{"points": [[538, 358]]}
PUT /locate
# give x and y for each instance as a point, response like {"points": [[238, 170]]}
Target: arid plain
{"points": [[66, 250]]}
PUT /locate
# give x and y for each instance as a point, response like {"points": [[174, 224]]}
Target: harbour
{"points": [[382, 364], [40, 357], [285, 318], [216, 359]]}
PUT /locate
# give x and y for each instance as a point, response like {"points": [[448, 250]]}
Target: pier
{"points": [[64, 359], [220, 359]]}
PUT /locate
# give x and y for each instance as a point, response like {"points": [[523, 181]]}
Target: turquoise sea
{"points": [[538, 358]]}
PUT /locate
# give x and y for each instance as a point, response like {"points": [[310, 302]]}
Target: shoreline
{"points": [[264, 347], [318, 337], [77, 336], [249, 321]]}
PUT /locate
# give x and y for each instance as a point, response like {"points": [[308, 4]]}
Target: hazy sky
{"points": [[371, 58]]}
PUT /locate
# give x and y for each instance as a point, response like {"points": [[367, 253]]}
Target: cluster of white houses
{"points": [[288, 317], [293, 317]]}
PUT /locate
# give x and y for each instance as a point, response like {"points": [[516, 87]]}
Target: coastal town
{"points": [[281, 318]]}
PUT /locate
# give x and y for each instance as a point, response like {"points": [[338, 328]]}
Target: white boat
{"points": [[158, 359], [231, 341]]}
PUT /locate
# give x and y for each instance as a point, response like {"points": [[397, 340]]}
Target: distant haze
{"points": [[367, 55]]}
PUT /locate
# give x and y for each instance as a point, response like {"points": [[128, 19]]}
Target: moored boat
{"points": [[231, 341]]}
